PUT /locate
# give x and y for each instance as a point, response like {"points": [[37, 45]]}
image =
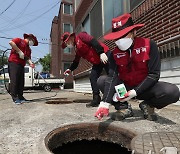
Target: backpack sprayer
{"points": [[7, 88]]}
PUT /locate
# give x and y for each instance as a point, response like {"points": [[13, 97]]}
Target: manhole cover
{"points": [[82, 100], [89, 138], [155, 141]]}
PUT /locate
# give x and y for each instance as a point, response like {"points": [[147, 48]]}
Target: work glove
{"points": [[67, 72], [21, 54], [103, 58], [115, 97], [32, 65], [130, 94], [103, 110], [169, 150]]}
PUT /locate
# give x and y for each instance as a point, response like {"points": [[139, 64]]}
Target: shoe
{"points": [[120, 105], [95, 102], [24, 101], [122, 114], [148, 111], [18, 102]]}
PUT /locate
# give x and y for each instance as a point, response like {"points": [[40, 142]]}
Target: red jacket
{"points": [[24, 47], [87, 52], [133, 69]]}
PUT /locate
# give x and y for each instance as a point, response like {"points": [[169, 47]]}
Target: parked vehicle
{"points": [[34, 80]]}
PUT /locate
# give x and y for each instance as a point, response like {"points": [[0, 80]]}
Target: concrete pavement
{"points": [[24, 127]]}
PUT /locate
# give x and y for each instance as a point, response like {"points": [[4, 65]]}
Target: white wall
{"points": [[170, 72], [82, 85]]}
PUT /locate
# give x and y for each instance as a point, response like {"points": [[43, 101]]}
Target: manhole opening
{"points": [[101, 138], [59, 101], [82, 100], [90, 147], [66, 101]]}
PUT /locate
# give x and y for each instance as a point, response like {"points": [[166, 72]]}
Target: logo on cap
{"points": [[117, 24]]}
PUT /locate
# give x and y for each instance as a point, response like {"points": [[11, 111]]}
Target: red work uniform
{"points": [[16, 68], [90, 49]]}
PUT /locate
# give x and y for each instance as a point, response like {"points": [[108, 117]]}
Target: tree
{"points": [[3, 60], [45, 62]]}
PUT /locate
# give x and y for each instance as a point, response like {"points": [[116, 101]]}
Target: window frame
{"points": [[71, 9], [71, 27]]}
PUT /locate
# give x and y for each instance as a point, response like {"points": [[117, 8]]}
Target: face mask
{"points": [[124, 43], [31, 43], [70, 46]]}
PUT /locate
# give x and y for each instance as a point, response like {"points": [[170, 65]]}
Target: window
{"points": [[134, 3], [3, 71], [86, 25], [96, 20], [66, 65], [113, 9], [26, 69], [67, 28], [67, 50], [68, 9]]}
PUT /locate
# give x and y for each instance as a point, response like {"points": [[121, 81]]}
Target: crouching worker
{"points": [[20, 54], [87, 47], [135, 62]]}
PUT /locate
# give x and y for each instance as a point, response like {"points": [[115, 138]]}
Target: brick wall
{"points": [[161, 19], [54, 48], [79, 15]]}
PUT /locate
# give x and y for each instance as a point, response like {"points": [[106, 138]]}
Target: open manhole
{"points": [[66, 101], [88, 138], [59, 101]]}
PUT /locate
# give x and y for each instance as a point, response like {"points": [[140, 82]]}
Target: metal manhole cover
{"points": [[155, 141]]}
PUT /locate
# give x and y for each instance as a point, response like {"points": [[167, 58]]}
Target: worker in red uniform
{"points": [[94, 52], [20, 54], [135, 62]]}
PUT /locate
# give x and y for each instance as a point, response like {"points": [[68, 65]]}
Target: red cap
{"points": [[65, 37], [33, 37], [121, 26]]}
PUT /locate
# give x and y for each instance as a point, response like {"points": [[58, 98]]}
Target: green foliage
{"points": [[3, 61], [45, 62]]}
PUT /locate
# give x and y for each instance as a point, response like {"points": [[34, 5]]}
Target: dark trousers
{"points": [[158, 96], [95, 74], [16, 74]]}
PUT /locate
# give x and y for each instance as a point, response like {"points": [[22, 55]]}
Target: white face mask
{"points": [[70, 46], [124, 43], [31, 43]]}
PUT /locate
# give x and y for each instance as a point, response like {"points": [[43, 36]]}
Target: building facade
{"points": [[162, 24], [61, 59]]}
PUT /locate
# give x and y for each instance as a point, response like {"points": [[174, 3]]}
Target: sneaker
{"points": [[122, 114], [24, 101], [148, 111], [18, 102], [95, 102]]}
